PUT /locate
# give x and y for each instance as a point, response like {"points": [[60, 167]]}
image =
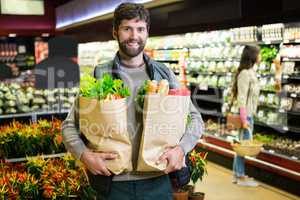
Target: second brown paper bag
{"points": [[165, 120]]}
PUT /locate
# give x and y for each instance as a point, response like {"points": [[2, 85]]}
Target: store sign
{"points": [[22, 7]]}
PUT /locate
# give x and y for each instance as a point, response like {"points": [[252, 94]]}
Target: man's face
{"points": [[132, 35]]}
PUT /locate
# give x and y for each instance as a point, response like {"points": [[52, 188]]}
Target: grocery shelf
{"points": [[291, 59], [268, 106], [211, 113], [212, 73], [168, 61], [293, 113], [209, 98], [289, 94], [170, 49], [270, 161], [258, 42], [33, 115], [205, 88], [213, 59], [265, 75], [288, 112], [278, 128], [294, 77], [271, 42], [294, 41], [14, 160], [267, 91]]}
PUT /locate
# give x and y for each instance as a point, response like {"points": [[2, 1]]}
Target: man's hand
{"points": [[95, 161], [174, 157]]}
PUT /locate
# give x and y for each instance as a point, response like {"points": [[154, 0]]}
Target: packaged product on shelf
{"points": [[165, 116], [296, 106], [103, 119], [284, 146], [288, 67], [286, 103]]}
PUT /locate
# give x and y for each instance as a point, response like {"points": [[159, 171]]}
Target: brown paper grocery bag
{"points": [[164, 124], [104, 124]]}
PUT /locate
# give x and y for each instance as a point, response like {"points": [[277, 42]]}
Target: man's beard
{"points": [[129, 51]]}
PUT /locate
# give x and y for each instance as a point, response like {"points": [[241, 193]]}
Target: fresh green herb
{"points": [[104, 88]]}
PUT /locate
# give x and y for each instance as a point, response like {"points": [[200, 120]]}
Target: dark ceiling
{"points": [[57, 3], [201, 15]]}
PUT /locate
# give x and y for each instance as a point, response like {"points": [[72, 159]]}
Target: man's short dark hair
{"points": [[130, 11]]}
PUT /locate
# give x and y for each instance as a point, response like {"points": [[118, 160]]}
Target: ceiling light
{"points": [[45, 34], [12, 35]]}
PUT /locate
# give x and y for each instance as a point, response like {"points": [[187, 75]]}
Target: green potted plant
{"points": [[197, 165]]}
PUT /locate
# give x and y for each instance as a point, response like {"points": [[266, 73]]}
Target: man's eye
{"points": [[141, 29]]}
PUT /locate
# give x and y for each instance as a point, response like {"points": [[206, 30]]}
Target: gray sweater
{"points": [[133, 78]]}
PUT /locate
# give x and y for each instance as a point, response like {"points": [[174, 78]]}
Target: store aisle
{"points": [[217, 186]]}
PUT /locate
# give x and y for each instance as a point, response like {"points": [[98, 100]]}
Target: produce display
{"points": [[21, 140], [169, 54], [272, 32], [292, 88], [212, 66], [16, 99], [289, 68], [216, 52], [269, 99], [290, 51], [271, 142], [245, 34], [280, 145], [286, 103], [94, 53], [271, 117], [291, 33], [59, 178]]}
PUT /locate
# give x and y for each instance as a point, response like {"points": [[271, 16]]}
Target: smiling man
{"points": [[131, 28]]}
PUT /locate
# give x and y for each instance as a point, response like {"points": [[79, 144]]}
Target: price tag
{"points": [[203, 87], [294, 158], [271, 151], [281, 110], [267, 42], [286, 41], [285, 128], [285, 59], [297, 40], [294, 95], [286, 76]]}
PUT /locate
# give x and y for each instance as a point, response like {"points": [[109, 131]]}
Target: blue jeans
{"points": [[158, 188], [239, 161]]}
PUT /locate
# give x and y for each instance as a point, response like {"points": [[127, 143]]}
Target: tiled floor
{"points": [[217, 186]]}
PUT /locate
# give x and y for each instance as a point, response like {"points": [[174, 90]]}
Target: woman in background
{"points": [[245, 91]]}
